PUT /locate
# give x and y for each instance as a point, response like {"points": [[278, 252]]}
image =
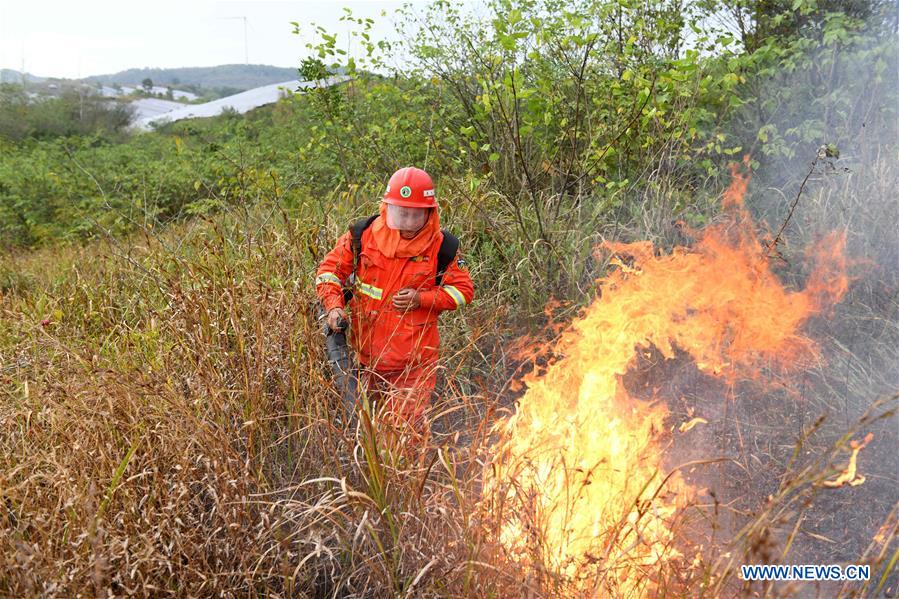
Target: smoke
{"points": [[842, 102], [854, 94], [830, 172], [833, 125]]}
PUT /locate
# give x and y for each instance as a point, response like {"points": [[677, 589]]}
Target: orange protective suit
{"points": [[399, 350]]}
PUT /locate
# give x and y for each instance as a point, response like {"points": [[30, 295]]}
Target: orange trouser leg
{"points": [[403, 395]]}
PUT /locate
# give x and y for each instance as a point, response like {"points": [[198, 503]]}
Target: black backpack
{"points": [[449, 247]]}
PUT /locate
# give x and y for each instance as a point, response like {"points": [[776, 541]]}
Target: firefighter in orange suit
{"points": [[397, 293]]}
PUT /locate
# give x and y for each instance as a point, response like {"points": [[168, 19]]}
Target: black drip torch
{"points": [[342, 366]]}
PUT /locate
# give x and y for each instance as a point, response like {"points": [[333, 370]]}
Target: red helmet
{"points": [[411, 187]]}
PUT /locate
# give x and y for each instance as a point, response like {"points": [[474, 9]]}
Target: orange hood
{"points": [[392, 245]]}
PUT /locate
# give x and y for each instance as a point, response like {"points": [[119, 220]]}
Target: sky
{"points": [[79, 38]]}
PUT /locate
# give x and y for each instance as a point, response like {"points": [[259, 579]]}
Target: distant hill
{"points": [[13, 76], [236, 76]]}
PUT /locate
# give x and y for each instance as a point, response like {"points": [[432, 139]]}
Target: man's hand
{"points": [[406, 299], [334, 317]]}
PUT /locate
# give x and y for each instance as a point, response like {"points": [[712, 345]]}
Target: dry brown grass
{"points": [[166, 429]]}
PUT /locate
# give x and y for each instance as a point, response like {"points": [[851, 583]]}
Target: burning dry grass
{"points": [[577, 480], [165, 432]]}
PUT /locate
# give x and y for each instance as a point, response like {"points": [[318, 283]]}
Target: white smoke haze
{"points": [[771, 444], [758, 429]]}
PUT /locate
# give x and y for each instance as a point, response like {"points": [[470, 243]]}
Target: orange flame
{"points": [[576, 479]]}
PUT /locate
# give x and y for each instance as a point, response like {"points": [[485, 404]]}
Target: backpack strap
{"points": [[356, 229], [449, 247]]}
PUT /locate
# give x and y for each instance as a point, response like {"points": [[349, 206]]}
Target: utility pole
{"points": [[246, 47]]}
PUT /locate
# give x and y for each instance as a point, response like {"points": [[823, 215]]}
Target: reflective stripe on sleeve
{"points": [[369, 290], [327, 277], [456, 295]]}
